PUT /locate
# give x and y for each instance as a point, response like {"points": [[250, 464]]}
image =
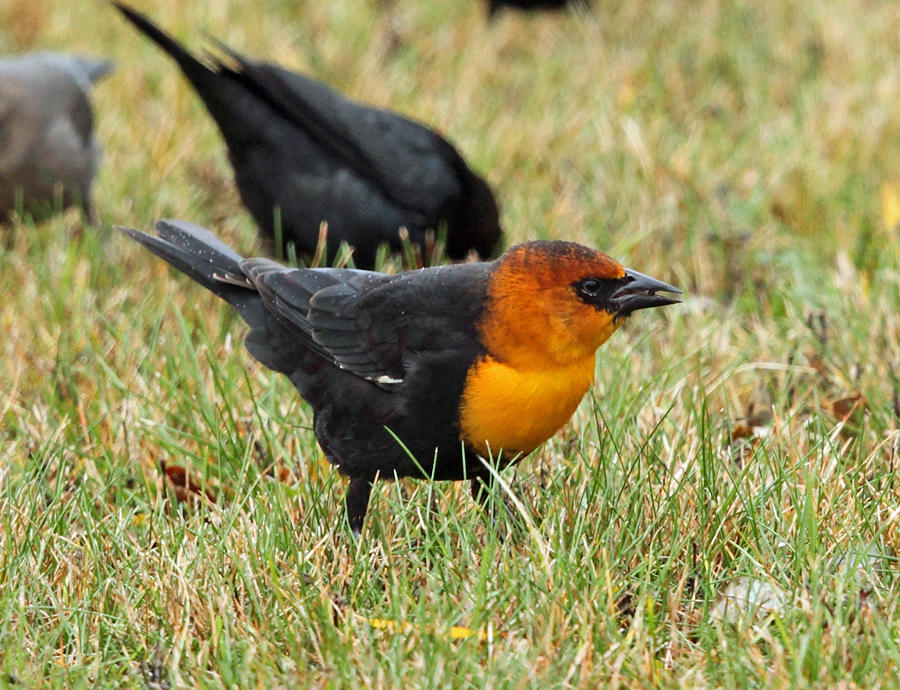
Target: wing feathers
{"points": [[367, 323]]}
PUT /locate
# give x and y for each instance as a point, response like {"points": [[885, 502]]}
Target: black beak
{"points": [[638, 291]]}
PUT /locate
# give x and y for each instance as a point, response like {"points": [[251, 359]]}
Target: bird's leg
{"points": [[481, 490], [89, 210], [357, 502]]}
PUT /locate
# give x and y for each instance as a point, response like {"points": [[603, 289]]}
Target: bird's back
{"points": [[303, 154]]}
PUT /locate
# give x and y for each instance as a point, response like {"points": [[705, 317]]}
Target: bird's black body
{"points": [[303, 154], [495, 6], [376, 356], [418, 374]]}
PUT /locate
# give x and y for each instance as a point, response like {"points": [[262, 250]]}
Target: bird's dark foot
{"points": [[90, 211], [481, 490], [358, 502], [481, 493]]}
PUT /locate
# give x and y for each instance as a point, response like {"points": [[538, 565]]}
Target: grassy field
{"points": [[722, 511]]}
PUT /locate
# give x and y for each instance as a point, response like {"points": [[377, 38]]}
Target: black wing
{"points": [[369, 324], [288, 293], [372, 324]]}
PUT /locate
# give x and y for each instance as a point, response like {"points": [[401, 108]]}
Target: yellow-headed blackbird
{"points": [[420, 373], [303, 154]]}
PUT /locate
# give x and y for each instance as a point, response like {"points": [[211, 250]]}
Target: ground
{"points": [[722, 510]]}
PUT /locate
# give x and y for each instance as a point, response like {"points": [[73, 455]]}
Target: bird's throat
{"points": [[515, 410]]}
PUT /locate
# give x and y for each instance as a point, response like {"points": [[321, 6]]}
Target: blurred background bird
{"points": [[303, 155], [495, 6], [48, 156]]}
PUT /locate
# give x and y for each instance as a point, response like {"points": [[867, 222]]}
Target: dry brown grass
{"points": [[738, 151]]}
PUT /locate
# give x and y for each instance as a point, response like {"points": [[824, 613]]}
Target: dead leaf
{"points": [[186, 490], [741, 430], [816, 362], [457, 632], [847, 409]]}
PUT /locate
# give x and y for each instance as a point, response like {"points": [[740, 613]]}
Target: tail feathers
{"points": [[199, 240], [193, 69], [196, 252]]}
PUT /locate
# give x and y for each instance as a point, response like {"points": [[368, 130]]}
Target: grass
{"points": [[748, 153]]}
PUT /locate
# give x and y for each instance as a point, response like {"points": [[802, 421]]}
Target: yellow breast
{"points": [[516, 410]]}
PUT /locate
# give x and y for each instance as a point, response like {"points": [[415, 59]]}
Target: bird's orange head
{"points": [[549, 306], [552, 303]]}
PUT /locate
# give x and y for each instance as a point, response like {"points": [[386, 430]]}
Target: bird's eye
{"points": [[590, 287]]}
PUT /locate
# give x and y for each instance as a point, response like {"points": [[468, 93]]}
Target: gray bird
{"points": [[48, 155]]}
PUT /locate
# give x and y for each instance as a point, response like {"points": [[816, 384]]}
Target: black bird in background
{"points": [[303, 154], [495, 6]]}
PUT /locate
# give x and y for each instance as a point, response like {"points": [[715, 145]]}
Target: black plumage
{"points": [[379, 358], [303, 154], [495, 6], [420, 373]]}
